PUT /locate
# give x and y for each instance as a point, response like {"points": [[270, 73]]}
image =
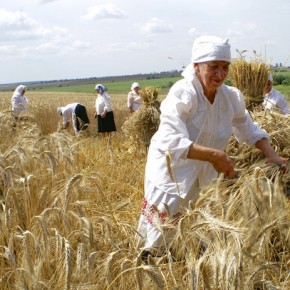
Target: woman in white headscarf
{"points": [[274, 100], [76, 114], [198, 116], [134, 99], [19, 101], [104, 112]]}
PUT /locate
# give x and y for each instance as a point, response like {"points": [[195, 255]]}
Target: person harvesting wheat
{"points": [[198, 116], [274, 100], [19, 101], [134, 99]]}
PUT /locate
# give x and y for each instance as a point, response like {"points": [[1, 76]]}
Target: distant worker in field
{"points": [[134, 101], [19, 101], [274, 100], [198, 117], [104, 112], [76, 114]]}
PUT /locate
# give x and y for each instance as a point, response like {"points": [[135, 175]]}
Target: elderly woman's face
{"points": [[212, 73], [268, 86]]}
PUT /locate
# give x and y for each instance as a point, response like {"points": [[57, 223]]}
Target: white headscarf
{"points": [[19, 90], [207, 48], [100, 88], [134, 86], [210, 48]]}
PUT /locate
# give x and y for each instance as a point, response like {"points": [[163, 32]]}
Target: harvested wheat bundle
{"points": [[141, 126], [150, 97], [278, 128], [250, 78], [236, 236]]}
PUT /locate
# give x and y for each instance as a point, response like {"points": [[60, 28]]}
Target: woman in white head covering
{"points": [[198, 116], [19, 101], [274, 100], [104, 112], [134, 99], [76, 114]]}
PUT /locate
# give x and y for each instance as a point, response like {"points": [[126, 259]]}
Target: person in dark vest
{"points": [[76, 114]]}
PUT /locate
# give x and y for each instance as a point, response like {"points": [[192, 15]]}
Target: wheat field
{"points": [[70, 206]]}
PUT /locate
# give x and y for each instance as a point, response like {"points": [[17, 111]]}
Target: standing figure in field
{"points": [[104, 112], [76, 114], [19, 101], [198, 117], [134, 100], [274, 100]]}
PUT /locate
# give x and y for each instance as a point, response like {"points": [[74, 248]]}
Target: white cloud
{"points": [[19, 26], [78, 44], [47, 1], [194, 32], [156, 26], [100, 12], [7, 49], [15, 21], [130, 46], [245, 30]]}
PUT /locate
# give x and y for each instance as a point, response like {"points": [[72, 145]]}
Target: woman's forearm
{"points": [[269, 151], [219, 159]]}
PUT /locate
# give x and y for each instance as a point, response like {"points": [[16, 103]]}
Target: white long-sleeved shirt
{"points": [[134, 100], [68, 114], [103, 102], [19, 102], [275, 101], [186, 117]]}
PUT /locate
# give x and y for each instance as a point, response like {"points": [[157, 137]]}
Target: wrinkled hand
{"points": [[281, 162], [222, 163]]}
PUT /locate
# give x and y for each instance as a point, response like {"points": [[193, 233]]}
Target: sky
{"points": [[67, 39]]}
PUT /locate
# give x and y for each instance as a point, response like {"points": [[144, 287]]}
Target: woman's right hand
{"points": [[222, 163]]}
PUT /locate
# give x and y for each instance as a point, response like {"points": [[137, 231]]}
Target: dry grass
{"points": [[69, 209]]}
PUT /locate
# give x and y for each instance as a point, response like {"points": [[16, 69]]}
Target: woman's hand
{"points": [[103, 115], [222, 163], [269, 152]]}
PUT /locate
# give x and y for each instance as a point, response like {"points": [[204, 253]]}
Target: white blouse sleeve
{"points": [[66, 117], [129, 100], [283, 104], [244, 128], [172, 136], [107, 101]]}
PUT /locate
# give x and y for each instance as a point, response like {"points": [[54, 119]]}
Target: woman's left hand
{"points": [[269, 152]]}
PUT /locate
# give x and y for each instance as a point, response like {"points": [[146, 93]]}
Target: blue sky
{"points": [[64, 39]]}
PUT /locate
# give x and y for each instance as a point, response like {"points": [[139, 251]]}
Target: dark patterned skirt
{"points": [[106, 124], [82, 119]]}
